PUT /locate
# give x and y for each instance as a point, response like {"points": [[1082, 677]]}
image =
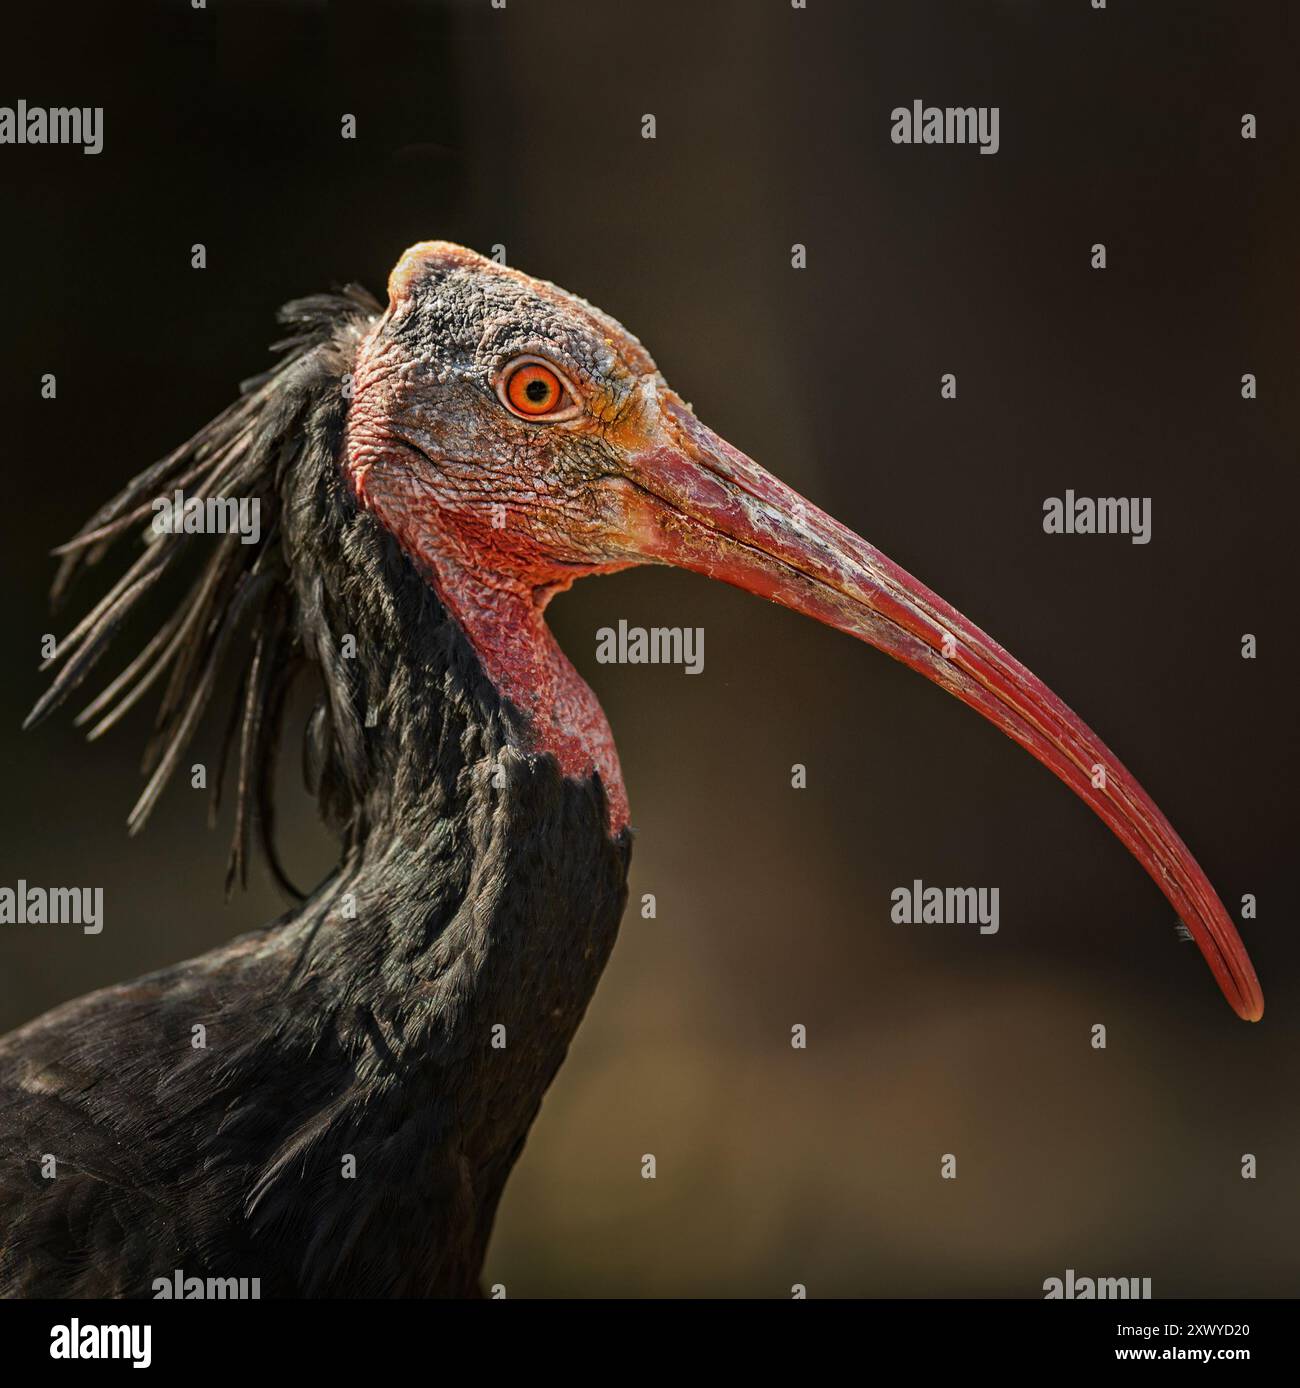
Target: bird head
{"points": [[514, 438]]}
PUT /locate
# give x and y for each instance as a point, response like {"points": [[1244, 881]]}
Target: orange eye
{"points": [[533, 390]]}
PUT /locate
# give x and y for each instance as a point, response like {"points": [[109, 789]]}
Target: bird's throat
{"points": [[558, 712], [502, 617]]}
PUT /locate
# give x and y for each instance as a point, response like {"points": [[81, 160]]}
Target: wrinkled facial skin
{"points": [[524, 502], [501, 512]]}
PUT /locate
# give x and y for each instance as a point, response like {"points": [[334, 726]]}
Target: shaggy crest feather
{"points": [[282, 432]]}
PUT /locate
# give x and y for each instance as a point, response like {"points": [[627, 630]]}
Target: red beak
{"points": [[697, 503]]}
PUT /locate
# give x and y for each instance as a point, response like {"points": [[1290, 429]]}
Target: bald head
{"points": [[455, 300]]}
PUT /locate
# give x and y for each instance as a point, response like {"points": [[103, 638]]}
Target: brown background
{"points": [[523, 127]]}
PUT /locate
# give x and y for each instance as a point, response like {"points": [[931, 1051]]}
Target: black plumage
{"points": [[477, 888]]}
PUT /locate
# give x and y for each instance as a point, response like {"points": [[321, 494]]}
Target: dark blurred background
{"points": [[523, 127]]}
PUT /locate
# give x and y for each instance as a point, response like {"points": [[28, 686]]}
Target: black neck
{"points": [[454, 952]]}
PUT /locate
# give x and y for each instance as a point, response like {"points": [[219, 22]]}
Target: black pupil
{"points": [[537, 391]]}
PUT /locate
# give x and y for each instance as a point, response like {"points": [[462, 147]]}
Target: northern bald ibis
{"points": [[429, 475]]}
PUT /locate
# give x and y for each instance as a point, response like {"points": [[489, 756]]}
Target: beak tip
{"points": [[1248, 1004]]}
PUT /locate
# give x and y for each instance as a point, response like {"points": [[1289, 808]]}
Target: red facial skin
{"points": [[496, 580], [653, 485]]}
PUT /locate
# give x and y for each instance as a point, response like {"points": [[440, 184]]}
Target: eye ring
{"points": [[534, 389]]}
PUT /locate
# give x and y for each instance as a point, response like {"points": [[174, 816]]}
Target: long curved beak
{"points": [[697, 503]]}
